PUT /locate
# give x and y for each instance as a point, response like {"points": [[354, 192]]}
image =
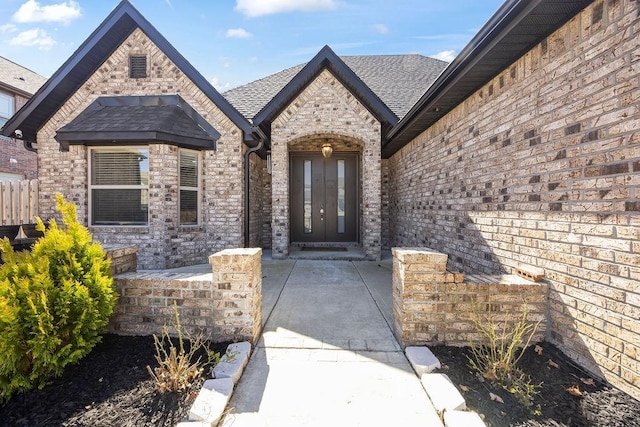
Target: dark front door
{"points": [[324, 197]]}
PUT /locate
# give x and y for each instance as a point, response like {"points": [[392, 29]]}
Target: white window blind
{"points": [[119, 186], [189, 187]]}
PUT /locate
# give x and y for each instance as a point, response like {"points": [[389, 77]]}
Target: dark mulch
{"points": [[109, 387], [599, 405]]}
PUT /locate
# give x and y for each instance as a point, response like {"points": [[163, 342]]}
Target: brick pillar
{"points": [[237, 294], [419, 285]]}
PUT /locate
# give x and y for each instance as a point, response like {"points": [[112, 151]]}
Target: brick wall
{"points": [[15, 159], [225, 305], [542, 166], [163, 243], [326, 110], [434, 306], [257, 172]]}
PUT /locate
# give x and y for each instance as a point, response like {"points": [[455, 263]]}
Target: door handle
{"points": [[321, 213]]}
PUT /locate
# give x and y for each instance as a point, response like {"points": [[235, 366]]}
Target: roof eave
{"points": [[325, 59], [122, 11], [107, 138], [509, 16]]}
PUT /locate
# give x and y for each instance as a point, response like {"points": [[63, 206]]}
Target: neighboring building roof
{"points": [[132, 119], [398, 80], [325, 59], [19, 79], [513, 30], [110, 34]]}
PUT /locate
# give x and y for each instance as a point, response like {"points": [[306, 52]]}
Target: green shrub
{"points": [[54, 303]]}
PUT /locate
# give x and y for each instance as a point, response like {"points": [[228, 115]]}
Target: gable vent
{"points": [[138, 66]]}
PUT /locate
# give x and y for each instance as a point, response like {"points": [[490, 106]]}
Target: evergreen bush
{"points": [[54, 302]]}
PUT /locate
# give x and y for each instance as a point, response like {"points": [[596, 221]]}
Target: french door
{"points": [[324, 197]]}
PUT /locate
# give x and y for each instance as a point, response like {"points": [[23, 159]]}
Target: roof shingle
{"points": [[398, 80], [16, 76]]}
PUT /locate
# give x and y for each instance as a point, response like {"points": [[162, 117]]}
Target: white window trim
{"points": [[197, 189], [91, 187]]}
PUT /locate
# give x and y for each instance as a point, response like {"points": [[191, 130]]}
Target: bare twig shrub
{"points": [[505, 343], [178, 367]]}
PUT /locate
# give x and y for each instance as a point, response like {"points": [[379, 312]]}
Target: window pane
{"points": [[6, 105], [188, 207], [188, 169], [120, 167], [307, 196], [341, 197], [119, 206]]}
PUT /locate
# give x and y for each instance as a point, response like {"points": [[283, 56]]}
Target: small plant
{"points": [[54, 302], [506, 343], [178, 367]]}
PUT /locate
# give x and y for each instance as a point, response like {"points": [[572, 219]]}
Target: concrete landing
{"points": [[327, 356]]}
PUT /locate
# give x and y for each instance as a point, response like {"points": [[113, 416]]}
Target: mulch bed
{"points": [[109, 387], [599, 405]]}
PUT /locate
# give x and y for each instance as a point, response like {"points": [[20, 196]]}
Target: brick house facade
{"points": [[530, 157], [17, 85]]}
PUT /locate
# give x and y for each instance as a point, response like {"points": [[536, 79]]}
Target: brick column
{"points": [[419, 283], [237, 294]]}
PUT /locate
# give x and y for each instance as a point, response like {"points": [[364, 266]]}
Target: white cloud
{"points": [[32, 11], [381, 29], [8, 28], [445, 55], [254, 8], [34, 37], [215, 81], [238, 33]]}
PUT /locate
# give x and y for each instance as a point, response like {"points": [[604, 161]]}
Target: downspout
{"points": [[247, 216], [29, 146]]}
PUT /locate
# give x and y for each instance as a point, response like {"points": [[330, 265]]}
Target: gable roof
{"points": [[109, 35], [513, 30], [132, 119], [19, 79], [398, 80], [325, 59]]}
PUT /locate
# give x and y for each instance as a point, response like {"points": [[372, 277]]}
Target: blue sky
{"points": [[233, 42]]}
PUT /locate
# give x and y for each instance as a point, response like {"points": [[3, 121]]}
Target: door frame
{"points": [[358, 201]]}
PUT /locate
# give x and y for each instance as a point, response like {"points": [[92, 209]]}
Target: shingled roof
{"points": [[19, 79], [398, 80], [136, 119]]}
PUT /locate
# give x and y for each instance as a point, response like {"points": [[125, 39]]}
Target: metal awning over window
{"points": [[123, 120]]}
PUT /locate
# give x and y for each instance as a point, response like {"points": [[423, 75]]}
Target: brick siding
{"points": [[326, 111], [541, 166], [163, 243], [15, 159]]}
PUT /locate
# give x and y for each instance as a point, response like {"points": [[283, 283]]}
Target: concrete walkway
{"points": [[327, 356]]}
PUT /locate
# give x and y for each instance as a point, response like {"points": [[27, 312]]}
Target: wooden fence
{"points": [[18, 202]]}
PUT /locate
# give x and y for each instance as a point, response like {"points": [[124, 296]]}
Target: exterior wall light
{"points": [[327, 149]]}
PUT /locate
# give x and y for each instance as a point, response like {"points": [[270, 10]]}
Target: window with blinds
{"points": [[138, 66], [189, 187], [119, 186]]}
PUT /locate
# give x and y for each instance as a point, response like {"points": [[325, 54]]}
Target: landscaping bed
{"points": [[594, 403], [109, 387]]}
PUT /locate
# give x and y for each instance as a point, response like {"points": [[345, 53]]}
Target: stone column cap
{"points": [[236, 252]]}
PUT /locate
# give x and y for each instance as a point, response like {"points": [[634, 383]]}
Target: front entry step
{"points": [[344, 253]]}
